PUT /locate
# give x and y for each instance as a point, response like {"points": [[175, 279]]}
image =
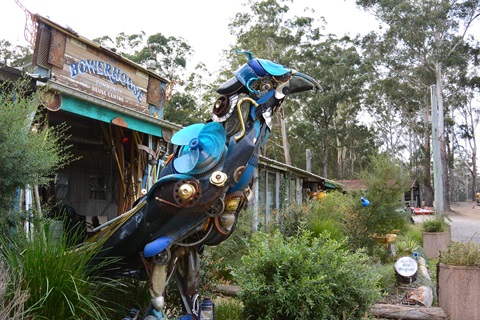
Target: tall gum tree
{"points": [[269, 30], [424, 33]]}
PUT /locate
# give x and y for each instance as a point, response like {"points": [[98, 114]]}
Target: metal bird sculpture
{"points": [[202, 188]]}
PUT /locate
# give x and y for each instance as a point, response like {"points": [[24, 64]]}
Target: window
{"points": [[98, 187]]}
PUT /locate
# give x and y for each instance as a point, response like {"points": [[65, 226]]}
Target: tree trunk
{"points": [[286, 147], [325, 159], [388, 311]]}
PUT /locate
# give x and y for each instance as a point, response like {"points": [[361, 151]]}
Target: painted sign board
{"points": [[84, 66]]}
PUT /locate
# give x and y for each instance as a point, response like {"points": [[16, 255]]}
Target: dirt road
{"points": [[465, 222]]}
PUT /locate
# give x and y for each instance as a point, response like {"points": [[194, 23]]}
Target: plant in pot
{"points": [[436, 236], [459, 280]]}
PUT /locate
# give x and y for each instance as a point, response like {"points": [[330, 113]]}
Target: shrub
{"points": [[329, 215], [30, 151], [305, 278], [293, 218], [385, 184]]}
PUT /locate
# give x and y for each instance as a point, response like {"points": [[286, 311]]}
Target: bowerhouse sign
{"points": [[84, 66]]}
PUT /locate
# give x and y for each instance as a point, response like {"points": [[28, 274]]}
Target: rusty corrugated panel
{"points": [[57, 48], [42, 48]]}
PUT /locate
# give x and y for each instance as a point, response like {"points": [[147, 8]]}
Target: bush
{"points": [[292, 218], [305, 278], [329, 215], [385, 184], [30, 151]]}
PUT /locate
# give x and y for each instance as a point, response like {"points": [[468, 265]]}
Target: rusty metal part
{"points": [[232, 204], [218, 178], [50, 99], [233, 195], [224, 223], [266, 85], [238, 173], [221, 106], [186, 193]]}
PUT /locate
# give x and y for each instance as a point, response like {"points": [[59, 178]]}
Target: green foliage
{"points": [[437, 224], [15, 55], [60, 282], [27, 157], [170, 53], [217, 261], [462, 254], [413, 232], [228, 309], [385, 185], [305, 277], [387, 278], [293, 218], [329, 215]]}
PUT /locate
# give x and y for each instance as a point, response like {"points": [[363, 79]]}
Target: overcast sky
{"points": [[204, 24]]}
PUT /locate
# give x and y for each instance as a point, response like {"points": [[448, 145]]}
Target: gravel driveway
{"points": [[465, 222]]}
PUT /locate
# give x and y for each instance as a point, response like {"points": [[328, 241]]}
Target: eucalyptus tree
{"points": [[14, 55], [467, 119], [332, 115], [269, 31], [168, 56], [423, 35]]}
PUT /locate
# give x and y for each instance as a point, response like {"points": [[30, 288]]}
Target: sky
{"points": [[204, 24]]}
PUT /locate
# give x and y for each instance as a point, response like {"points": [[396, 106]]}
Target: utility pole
{"points": [[437, 133], [308, 156]]}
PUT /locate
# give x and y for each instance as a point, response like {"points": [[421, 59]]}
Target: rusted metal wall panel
{"points": [[42, 47], [57, 48]]}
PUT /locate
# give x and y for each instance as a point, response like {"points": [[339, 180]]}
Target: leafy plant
{"points": [[435, 225], [329, 215], [305, 277], [292, 218], [30, 151], [60, 282], [228, 309], [462, 254]]}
